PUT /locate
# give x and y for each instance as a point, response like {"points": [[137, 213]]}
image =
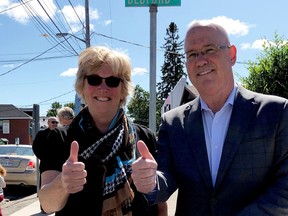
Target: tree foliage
{"points": [[138, 106], [53, 111], [172, 70], [56, 106], [173, 67], [71, 105], [269, 74]]}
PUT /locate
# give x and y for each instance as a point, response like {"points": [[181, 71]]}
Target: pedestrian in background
{"points": [[65, 116], [41, 137], [40, 144], [88, 168], [2, 185], [227, 150]]}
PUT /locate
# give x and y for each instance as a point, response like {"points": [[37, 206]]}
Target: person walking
{"points": [[2, 185], [227, 150], [88, 168]]}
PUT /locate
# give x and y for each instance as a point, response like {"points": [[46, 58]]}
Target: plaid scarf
{"points": [[117, 152]]}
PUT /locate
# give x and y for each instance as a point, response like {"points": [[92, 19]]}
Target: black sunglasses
{"points": [[54, 122], [95, 80]]}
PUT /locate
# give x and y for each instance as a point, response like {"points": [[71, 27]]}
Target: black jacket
{"points": [[89, 200]]}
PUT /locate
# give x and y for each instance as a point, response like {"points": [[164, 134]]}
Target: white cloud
{"points": [[9, 66], [19, 13], [139, 71], [73, 19], [107, 22], [69, 73], [245, 46], [257, 44], [232, 26]]}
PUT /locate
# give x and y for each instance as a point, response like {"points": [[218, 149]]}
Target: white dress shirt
{"points": [[215, 129]]}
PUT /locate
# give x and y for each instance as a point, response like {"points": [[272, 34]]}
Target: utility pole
{"points": [[35, 129], [78, 104], [87, 25], [153, 4], [152, 104]]}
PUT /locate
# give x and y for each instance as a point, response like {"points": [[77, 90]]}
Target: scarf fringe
{"points": [[123, 198]]}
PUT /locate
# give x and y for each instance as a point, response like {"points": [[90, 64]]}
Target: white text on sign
{"points": [[147, 2]]}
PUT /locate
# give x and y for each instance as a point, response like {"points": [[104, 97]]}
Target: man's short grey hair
{"points": [[66, 113]]}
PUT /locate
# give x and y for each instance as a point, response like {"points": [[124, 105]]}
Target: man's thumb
{"points": [[74, 148], [144, 151]]}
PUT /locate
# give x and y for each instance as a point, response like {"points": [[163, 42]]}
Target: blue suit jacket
{"points": [[253, 173]]}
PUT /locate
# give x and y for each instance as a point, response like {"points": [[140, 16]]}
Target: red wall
{"points": [[18, 128]]}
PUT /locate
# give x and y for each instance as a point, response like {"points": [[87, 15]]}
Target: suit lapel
{"points": [[195, 132], [243, 110]]}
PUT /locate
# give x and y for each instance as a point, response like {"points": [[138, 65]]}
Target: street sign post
{"points": [[145, 3], [152, 4]]}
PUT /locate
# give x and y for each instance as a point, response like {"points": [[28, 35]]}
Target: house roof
{"points": [[9, 111]]}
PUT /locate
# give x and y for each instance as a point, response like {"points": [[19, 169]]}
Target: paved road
{"points": [[29, 206], [10, 207]]}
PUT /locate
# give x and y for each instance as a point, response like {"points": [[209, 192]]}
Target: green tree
{"points": [[138, 106], [172, 71], [269, 74], [173, 67], [71, 105], [53, 111]]}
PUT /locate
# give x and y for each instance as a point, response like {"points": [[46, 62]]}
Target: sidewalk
{"points": [[34, 210], [31, 210]]}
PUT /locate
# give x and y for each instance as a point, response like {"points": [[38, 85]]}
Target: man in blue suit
{"points": [[227, 150]]}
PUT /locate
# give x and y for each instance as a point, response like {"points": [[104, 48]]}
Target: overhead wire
{"points": [[67, 23], [9, 71], [81, 22], [41, 25], [110, 14], [18, 5], [52, 34], [55, 25]]}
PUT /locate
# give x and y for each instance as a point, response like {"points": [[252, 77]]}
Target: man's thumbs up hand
{"points": [[74, 174], [144, 151], [144, 169]]}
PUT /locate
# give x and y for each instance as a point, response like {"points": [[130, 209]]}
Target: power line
{"points": [[9, 71]]}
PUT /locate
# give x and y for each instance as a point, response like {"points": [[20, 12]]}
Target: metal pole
{"points": [[78, 104], [87, 26], [35, 129], [152, 103]]}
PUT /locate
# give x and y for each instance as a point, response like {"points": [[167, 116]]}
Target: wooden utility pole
{"points": [[87, 24], [77, 104]]}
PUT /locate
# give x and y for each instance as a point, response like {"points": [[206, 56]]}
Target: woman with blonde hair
{"points": [[89, 173]]}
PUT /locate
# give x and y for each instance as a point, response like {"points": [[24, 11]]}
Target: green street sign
{"points": [[145, 3]]}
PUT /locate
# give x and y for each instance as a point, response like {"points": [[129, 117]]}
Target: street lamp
{"points": [[59, 35], [77, 103]]}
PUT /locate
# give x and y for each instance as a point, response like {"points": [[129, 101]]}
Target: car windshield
{"points": [[16, 150]]}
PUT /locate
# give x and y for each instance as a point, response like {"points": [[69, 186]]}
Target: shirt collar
{"points": [[230, 99]]}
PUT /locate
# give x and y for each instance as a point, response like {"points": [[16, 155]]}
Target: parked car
{"points": [[20, 162]]}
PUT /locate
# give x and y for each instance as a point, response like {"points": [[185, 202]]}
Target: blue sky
{"points": [[38, 68]]}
